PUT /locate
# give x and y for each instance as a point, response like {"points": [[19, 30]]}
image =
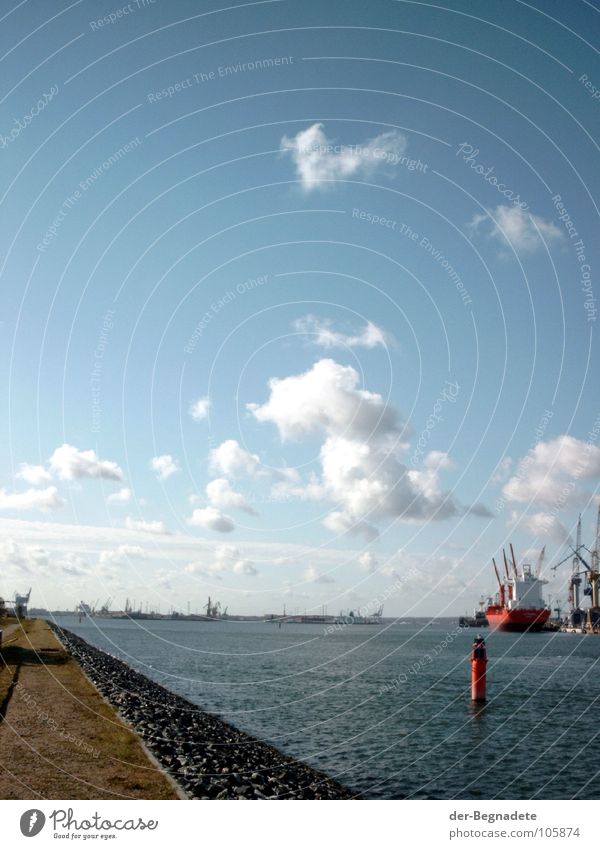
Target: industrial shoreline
{"points": [[205, 756]]}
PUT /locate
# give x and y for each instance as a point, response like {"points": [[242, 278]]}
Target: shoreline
{"points": [[207, 757], [59, 737]]}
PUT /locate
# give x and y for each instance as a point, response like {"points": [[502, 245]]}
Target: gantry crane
{"points": [[591, 571]]}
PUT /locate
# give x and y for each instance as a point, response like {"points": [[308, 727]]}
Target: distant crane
{"points": [[575, 581], [212, 610], [500, 583], [540, 560], [514, 562], [594, 571], [509, 588], [21, 602], [593, 576]]}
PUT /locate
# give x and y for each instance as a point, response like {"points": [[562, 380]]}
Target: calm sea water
{"points": [[386, 710]]}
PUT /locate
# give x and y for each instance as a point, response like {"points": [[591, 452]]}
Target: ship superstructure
{"points": [[519, 604]]}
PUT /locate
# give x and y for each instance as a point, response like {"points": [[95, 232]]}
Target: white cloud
{"points": [[122, 555], [212, 519], [312, 575], [233, 460], [227, 558], [340, 522], [45, 500], [123, 496], [361, 467], [548, 473], [318, 160], [227, 553], [426, 480], [177, 548], [35, 475], [18, 557], [543, 525], [367, 562], [286, 474], [210, 570], [503, 470], [73, 565], [196, 567], [150, 527], [220, 494], [321, 333], [244, 567], [523, 230], [69, 463], [199, 409], [164, 466], [295, 488], [324, 397]]}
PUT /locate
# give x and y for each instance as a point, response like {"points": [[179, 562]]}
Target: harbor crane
{"points": [[213, 611], [540, 560], [106, 606], [591, 570], [21, 602]]}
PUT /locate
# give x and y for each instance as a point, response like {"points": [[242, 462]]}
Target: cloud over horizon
{"points": [[227, 558], [147, 527], [550, 471], [363, 440], [212, 519], [45, 500]]}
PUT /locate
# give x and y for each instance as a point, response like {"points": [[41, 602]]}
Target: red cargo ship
{"points": [[519, 605]]}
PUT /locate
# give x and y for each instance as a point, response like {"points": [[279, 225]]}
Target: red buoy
{"points": [[478, 669]]}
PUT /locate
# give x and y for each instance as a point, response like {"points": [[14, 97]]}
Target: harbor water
{"points": [[386, 709]]}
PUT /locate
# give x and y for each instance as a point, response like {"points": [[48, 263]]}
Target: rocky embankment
{"points": [[207, 757]]}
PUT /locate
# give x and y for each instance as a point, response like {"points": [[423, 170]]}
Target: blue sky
{"points": [[362, 236]]}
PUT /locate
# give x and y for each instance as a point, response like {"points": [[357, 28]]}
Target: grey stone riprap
{"points": [[207, 757]]}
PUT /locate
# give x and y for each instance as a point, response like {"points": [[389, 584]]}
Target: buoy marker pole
{"points": [[478, 669]]}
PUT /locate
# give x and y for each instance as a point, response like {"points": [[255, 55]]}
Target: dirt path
{"points": [[59, 739], [7, 631]]}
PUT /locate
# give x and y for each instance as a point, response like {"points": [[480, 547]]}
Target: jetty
{"points": [[79, 723], [59, 738]]}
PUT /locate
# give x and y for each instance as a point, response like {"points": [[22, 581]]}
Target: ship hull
{"points": [[501, 619]]}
